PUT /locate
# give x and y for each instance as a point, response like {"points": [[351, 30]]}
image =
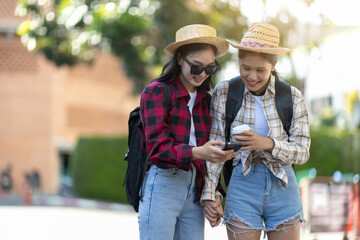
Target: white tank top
{"points": [[192, 140], [261, 125]]}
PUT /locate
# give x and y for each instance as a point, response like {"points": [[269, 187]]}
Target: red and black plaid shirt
{"points": [[167, 131]]}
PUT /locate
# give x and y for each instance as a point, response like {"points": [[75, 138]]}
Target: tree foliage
{"points": [[71, 31]]}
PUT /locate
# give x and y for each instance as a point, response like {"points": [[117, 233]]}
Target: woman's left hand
{"points": [[213, 211], [252, 141]]}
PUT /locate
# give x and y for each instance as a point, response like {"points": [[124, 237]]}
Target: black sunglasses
{"points": [[198, 69]]}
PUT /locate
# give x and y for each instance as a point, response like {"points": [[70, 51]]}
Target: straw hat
{"points": [[198, 33], [261, 37]]}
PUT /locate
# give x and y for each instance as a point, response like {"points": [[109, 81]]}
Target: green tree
{"points": [[71, 31]]}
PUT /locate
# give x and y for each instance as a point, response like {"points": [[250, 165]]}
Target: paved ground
{"points": [[59, 218], [59, 223]]}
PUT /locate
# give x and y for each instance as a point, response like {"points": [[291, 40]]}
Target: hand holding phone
{"points": [[232, 145]]}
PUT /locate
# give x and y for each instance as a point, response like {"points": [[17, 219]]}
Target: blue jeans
{"points": [[167, 210]]}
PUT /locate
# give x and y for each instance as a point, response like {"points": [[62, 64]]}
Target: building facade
{"points": [[44, 109]]}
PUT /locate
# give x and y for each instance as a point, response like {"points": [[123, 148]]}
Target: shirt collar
{"points": [[181, 91]]}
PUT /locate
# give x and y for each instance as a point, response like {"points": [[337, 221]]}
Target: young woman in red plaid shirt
{"points": [[177, 137]]}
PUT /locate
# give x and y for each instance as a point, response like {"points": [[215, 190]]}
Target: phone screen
{"points": [[232, 145]]}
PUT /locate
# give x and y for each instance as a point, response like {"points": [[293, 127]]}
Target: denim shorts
{"points": [[258, 201], [168, 209]]}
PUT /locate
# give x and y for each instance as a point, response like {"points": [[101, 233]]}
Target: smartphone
{"points": [[232, 145]]}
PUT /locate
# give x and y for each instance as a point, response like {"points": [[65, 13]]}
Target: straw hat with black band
{"points": [[198, 33], [263, 38]]}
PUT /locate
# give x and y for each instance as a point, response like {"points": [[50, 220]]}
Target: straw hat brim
{"points": [[275, 51], [221, 44]]}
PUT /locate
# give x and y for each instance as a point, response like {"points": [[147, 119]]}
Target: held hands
{"points": [[213, 211], [210, 151], [252, 141]]}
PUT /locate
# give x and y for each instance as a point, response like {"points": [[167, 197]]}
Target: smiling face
{"points": [[255, 72], [205, 58]]}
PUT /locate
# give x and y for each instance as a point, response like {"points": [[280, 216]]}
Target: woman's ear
{"points": [[273, 67]]}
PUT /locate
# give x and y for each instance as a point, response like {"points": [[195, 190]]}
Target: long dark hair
{"points": [[271, 58], [172, 69]]}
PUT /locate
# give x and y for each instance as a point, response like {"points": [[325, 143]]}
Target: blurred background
{"points": [[72, 70]]}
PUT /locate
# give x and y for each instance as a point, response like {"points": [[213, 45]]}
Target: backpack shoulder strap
{"points": [[284, 105], [233, 103]]}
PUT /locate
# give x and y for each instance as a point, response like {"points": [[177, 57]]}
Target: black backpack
{"points": [[284, 106], [136, 157]]}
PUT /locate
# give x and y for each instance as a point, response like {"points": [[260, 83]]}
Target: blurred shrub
{"points": [[98, 168], [333, 149]]}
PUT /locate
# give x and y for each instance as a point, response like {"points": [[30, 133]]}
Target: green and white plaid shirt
{"points": [[293, 149]]}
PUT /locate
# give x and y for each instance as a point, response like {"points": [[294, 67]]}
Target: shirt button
{"points": [[187, 125]]}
